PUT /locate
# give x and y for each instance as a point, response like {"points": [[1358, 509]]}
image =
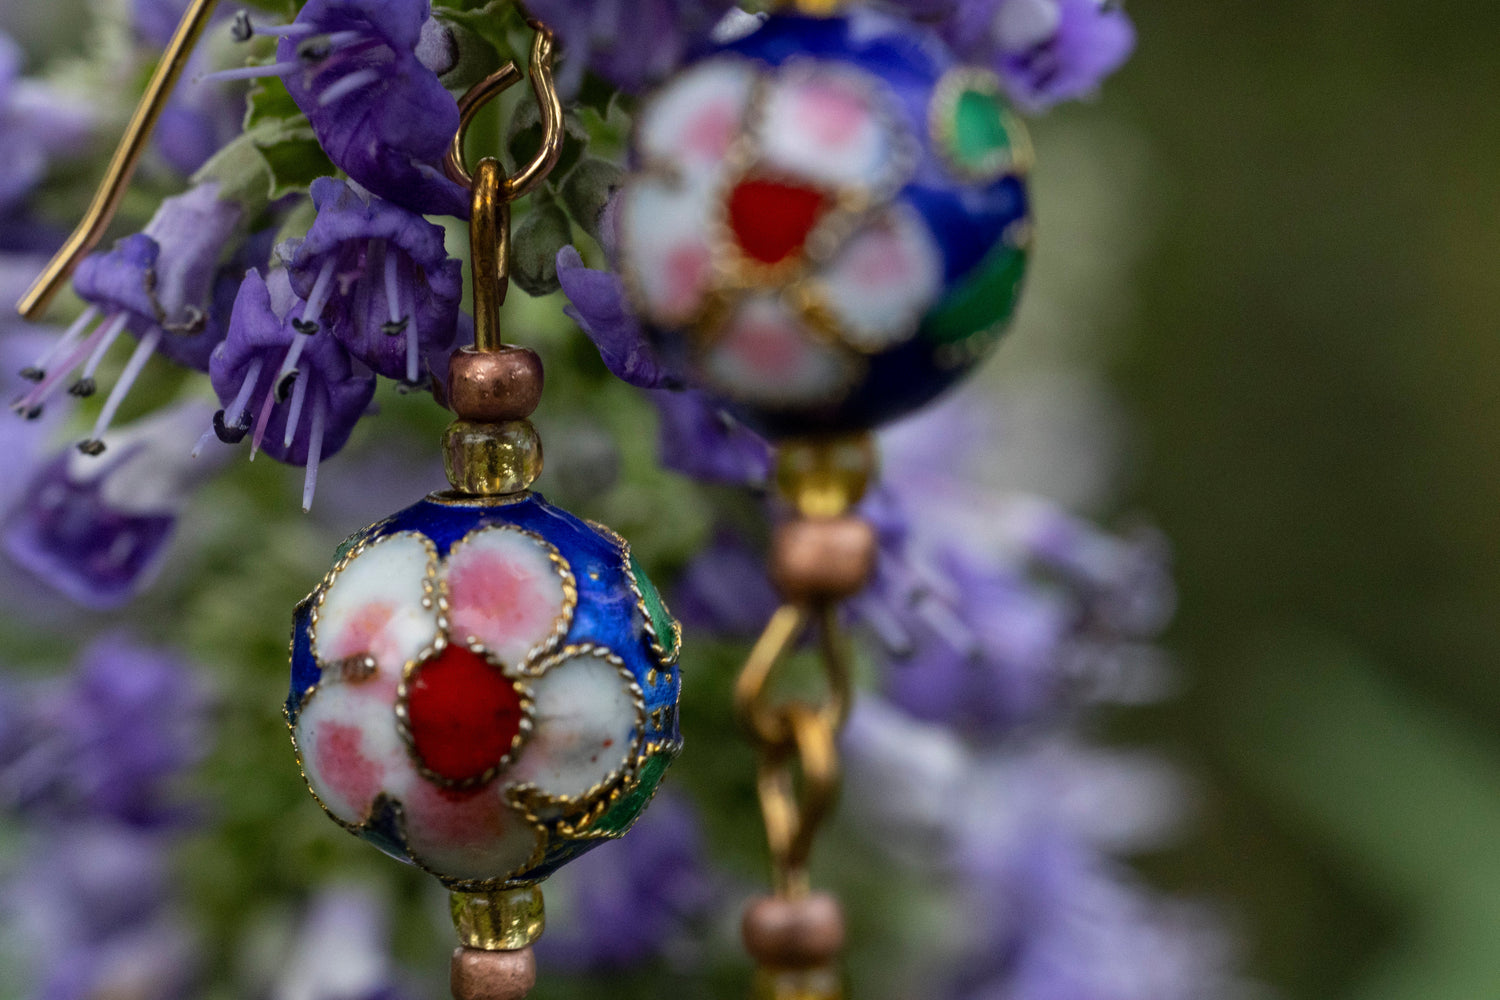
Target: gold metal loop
{"points": [[489, 252], [792, 820], [766, 723], [107, 197], [529, 175]]}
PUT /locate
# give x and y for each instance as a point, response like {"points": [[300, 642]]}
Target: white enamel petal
{"points": [[765, 355], [585, 728], [885, 277], [664, 247], [691, 122], [465, 835], [378, 605], [828, 124], [347, 739], [506, 592]]}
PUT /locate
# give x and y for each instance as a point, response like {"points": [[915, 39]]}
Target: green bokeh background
{"points": [[1311, 359]]}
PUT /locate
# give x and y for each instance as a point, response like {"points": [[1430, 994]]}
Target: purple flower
{"points": [[725, 590], [159, 285], [699, 438], [381, 115], [37, 124], [108, 741], [605, 36], [200, 118], [297, 387], [379, 278], [597, 303], [629, 902], [96, 528], [342, 951], [1046, 51]]}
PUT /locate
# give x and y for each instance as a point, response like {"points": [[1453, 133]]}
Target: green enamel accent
{"points": [[661, 619], [621, 816], [986, 297], [979, 131]]}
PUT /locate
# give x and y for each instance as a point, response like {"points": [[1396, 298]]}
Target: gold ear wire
{"points": [[111, 190], [493, 191]]}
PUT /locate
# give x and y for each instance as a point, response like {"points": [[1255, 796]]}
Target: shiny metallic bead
{"points": [[477, 974], [494, 386], [824, 477], [804, 932], [822, 558], [492, 459], [504, 920]]}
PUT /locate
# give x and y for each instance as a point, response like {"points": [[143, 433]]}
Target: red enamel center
{"points": [[464, 714], [771, 220]]}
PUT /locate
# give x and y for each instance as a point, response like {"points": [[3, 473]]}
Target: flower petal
{"points": [[665, 253], [379, 604], [831, 125], [465, 835], [509, 591], [588, 714], [347, 740], [766, 356], [883, 280], [693, 121]]}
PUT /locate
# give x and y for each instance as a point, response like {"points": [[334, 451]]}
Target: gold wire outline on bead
{"points": [[1016, 159], [564, 619], [582, 828], [453, 498], [665, 655]]}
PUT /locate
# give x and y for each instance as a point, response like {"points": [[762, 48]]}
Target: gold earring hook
{"points": [[111, 190], [492, 191]]}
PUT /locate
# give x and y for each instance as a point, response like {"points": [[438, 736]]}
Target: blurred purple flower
{"points": [[698, 438], [379, 278], [629, 902], [37, 124], [724, 589], [341, 951], [380, 114], [199, 119], [96, 528], [1045, 51], [597, 303], [159, 285], [108, 741], [604, 36], [297, 387]]}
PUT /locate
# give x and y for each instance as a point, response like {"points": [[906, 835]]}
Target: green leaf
{"points": [[587, 189], [269, 100], [538, 238], [276, 158]]}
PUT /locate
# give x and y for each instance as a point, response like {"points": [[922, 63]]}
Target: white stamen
{"points": [[283, 30], [299, 394], [105, 331], [292, 354], [392, 289], [111, 329], [318, 297], [348, 85], [68, 339], [133, 368], [413, 338], [948, 625], [251, 72], [203, 441], [314, 450], [242, 398]]}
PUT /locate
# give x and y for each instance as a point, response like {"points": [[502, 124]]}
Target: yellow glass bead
{"points": [[506, 920], [811, 984], [492, 459], [824, 477]]}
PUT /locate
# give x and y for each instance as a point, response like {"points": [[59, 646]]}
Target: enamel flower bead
{"points": [[484, 688], [828, 221]]}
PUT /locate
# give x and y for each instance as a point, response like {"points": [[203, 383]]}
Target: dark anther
{"points": [[395, 327], [193, 321], [242, 30], [284, 387], [227, 434], [83, 388], [306, 327], [34, 413], [31, 373], [91, 446], [314, 49]]}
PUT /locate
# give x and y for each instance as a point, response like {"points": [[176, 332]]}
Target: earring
{"points": [[826, 226]]}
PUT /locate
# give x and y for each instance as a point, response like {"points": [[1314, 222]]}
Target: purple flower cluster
{"points": [[88, 764], [605, 37]]}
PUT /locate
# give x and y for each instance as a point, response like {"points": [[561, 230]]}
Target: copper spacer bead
{"points": [[492, 975], [494, 386], [826, 558], [800, 932]]}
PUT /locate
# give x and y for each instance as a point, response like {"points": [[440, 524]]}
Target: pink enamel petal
{"points": [[379, 605], [507, 592], [691, 123], [767, 357], [469, 834], [586, 719], [347, 740], [664, 248], [883, 280], [831, 125]]}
